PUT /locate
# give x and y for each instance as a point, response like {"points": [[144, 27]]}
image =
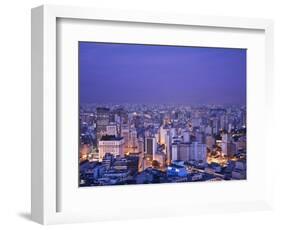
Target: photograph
{"points": [[154, 113]]}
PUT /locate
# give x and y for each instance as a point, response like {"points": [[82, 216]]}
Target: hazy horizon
{"points": [[151, 74]]}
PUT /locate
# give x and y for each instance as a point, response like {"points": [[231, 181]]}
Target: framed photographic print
{"points": [[144, 114], [161, 114]]}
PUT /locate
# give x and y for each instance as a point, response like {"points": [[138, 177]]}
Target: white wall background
{"points": [[15, 112]]}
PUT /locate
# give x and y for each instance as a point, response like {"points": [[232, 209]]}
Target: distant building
{"points": [[107, 160], [84, 152], [102, 121], [125, 133], [145, 177], [239, 171], [98, 171], [176, 171], [210, 141], [199, 136], [140, 145], [111, 129], [241, 143], [176, 139], [133, 163], [229, 148], [186, 136], [173, 132], [184, 151], [133, 140], [162, 135], [238, 175], [189, 151], [151, 175], [120, 163], [208, 130], [168, 147], [178, 162], [223, 122], [111, 144], [150, 146], [240, 165], [215, 126], [175, 152], [225, 140], [198, 152], [196, 121], [197, 177], [160, 158]]}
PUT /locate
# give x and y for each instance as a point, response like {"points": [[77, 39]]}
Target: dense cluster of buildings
{"points": [[139, 144]]}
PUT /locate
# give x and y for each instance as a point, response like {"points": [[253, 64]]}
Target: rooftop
{"points": [[110, 138]]}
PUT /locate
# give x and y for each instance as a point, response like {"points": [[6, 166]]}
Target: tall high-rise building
{"points": [[189, 151], [168, 147], [162, 135], [244, 118], [133, 140], [184, 151], [175, 150], [111, 129], [230, 126], [198, 152], [125, 133], [173, 132], [111, 144], [186, 137], [231, 149], [102, 121], [225, 141], [215, 126], [223, 122], [200, 137], [107, 160], [208, 130], [140, 145], [150, 145], [196, 121], [210, 141], [225, 137], [157, 136]]}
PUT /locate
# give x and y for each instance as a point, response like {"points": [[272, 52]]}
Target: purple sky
{"points": [[124, 73]]}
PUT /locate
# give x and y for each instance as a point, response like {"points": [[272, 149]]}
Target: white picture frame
{"points": [[46, 181]]}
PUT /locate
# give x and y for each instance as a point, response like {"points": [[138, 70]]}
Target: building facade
{"points": [[111, 144], [102, 121]]}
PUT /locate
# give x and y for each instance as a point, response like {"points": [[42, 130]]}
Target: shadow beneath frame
{"points": [[25, 215]]}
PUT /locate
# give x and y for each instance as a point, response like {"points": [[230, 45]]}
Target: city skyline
{"points": [[136, 72], [161, 114]]}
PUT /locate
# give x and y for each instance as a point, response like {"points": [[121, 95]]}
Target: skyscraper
{"points": [[174, 152], [125, 133], [150, 145], [198, 152], [184, 151], [186, 136], [210, 141], [133, 140], [162, 135], [168, 147], [140, 145], [225, 140], [102, 121], [111, 129]]}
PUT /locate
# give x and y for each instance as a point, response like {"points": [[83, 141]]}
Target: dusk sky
{"points": [[124, 73]]}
